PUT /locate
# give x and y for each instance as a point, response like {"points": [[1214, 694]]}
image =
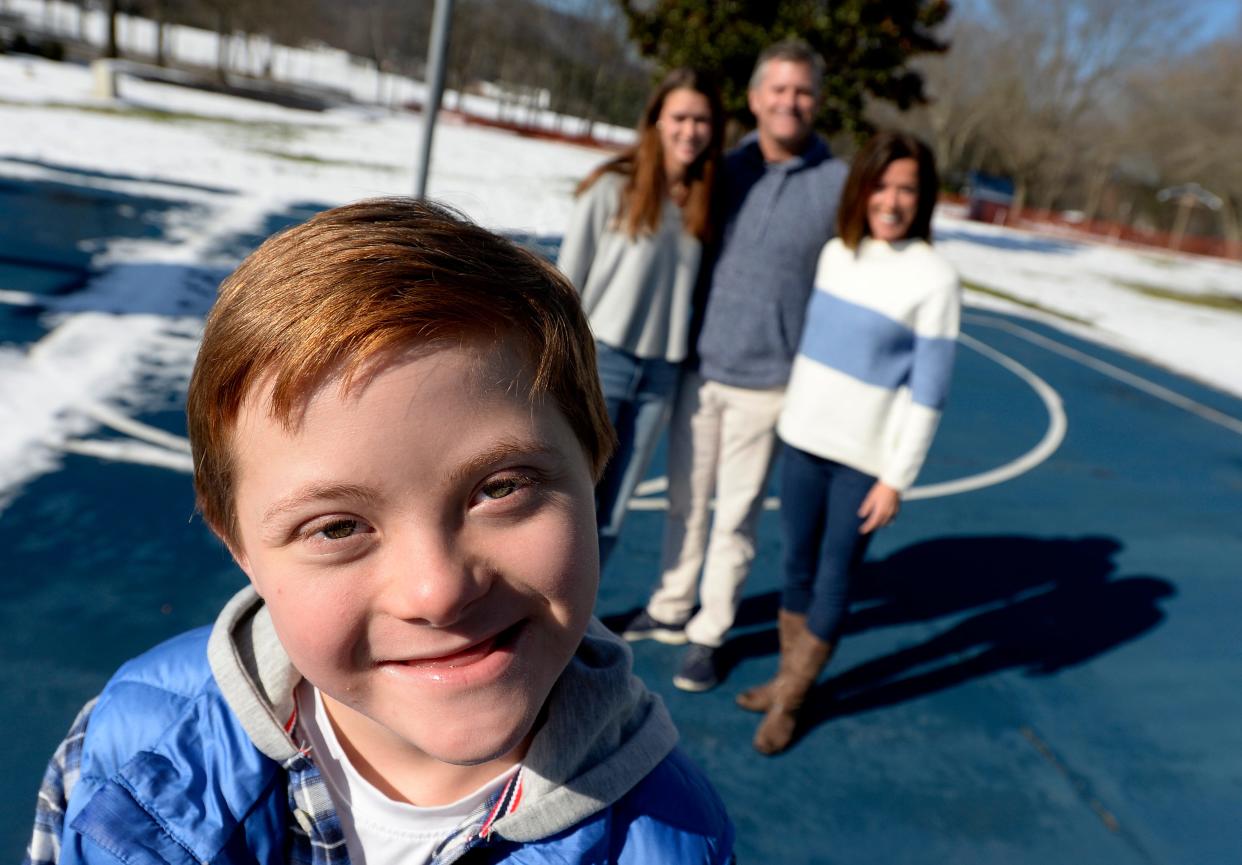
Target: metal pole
{"points": [[436, 56]]}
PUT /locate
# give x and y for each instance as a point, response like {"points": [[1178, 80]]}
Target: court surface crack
{"points": [[1083, 790]]}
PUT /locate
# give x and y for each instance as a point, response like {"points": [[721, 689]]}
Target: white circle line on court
{"points": [[1047, 446], [643, 499]]}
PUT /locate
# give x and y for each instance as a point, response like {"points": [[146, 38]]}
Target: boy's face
{"points": [[426, 546]]}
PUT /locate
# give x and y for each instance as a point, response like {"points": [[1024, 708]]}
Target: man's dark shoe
{"points": [[643, 627], [698, 669]]}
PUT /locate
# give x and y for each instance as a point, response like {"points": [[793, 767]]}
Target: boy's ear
{"points": [[243, 562]]}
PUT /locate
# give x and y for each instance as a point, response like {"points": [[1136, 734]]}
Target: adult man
{"points": [[782, 187]]}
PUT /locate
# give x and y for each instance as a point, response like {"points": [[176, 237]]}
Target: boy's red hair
{"points": [[325, 297]]}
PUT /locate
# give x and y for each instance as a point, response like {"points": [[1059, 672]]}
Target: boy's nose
{"points": [[432, 581]]}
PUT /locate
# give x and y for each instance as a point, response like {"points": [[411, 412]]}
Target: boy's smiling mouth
{"points": [[497, 647]]}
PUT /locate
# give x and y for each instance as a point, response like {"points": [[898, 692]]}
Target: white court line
{"points": [[1047, 446], [1135, 381], [20, 298], [131, 452], [148, 445], [139, 430]]}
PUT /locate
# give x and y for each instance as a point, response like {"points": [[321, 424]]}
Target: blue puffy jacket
{"points": [[170, 776]]}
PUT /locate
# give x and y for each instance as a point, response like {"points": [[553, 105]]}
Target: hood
{"points": [[255, 675], [602, 730], [816, 151]]}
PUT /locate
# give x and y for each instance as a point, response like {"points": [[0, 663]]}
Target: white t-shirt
{"points": [[378, 830]]}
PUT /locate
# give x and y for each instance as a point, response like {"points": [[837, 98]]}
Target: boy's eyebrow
{"points": [[502, 450], [314, 492]]}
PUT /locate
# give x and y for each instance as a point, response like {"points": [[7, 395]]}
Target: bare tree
{"points": [[959, 98], [1058, 62], [1038, 91], [1189, 123]]}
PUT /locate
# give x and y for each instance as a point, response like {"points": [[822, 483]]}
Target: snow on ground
{"points": [[1105, 293], [235, 162]]}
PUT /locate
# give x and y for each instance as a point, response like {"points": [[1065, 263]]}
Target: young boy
{"points": [[397, 426]]}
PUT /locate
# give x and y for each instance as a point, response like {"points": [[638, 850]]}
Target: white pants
{"points": [[722, 440]]}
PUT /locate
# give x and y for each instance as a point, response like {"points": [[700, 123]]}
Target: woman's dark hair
{"points": [[642, 200], [883, 149]]}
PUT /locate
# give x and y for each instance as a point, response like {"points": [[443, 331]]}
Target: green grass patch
{"points": [[993, 292], [308, 159], [1211, 300], [156, 115], [1168, 262]]}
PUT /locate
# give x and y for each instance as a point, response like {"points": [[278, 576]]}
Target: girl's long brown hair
{"points": [[642, 199]]}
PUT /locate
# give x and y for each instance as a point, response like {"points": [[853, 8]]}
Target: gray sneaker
{"points": [[698, 669], [643, 627]]}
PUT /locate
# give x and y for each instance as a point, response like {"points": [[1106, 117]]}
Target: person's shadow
{"points": [[1041, 606]]}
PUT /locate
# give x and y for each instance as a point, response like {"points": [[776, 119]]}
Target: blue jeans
{"points": [[819, 527], [639, 393]]}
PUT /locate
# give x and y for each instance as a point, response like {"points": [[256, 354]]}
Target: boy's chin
{"points": [[482, 746]]}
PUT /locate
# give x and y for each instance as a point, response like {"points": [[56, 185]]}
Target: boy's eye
{"points": [[339, 529], [504, 487]]}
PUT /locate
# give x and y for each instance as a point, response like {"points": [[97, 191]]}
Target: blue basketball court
{"points": [[1040, 665]]}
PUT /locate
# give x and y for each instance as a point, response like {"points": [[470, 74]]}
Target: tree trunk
{"points": [[1019, 200], [1184, 207], [110, 50], [1229, 209], [1095, 193], [161, 33], [222, 46], [592, 112]]}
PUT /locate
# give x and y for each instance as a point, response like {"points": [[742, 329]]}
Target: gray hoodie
{"points": [[604, 731]]}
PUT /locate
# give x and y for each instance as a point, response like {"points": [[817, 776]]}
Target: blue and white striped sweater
{"points": [[876, 357]]}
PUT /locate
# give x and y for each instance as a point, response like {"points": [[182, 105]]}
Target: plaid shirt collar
{"points": [[315, 836], [315, 830]]}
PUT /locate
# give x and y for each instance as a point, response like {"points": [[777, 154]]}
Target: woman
{"points": [[632, 250], [862, 406]]}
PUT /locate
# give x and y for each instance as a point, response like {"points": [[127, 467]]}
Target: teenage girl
{"points": [[632, 250]]}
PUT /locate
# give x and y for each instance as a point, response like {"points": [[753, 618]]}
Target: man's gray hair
{"points": [[792, 51]]}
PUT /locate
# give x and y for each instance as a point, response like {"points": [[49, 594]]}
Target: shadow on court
{"points": [[96, 174], [1011, 603], [1021, 603]]}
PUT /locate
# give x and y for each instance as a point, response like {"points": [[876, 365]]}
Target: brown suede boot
{"points": [[789, 627], [805, 663]]}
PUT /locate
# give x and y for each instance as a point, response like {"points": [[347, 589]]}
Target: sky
{"points": [[1219, 18], [1206, 19]]}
